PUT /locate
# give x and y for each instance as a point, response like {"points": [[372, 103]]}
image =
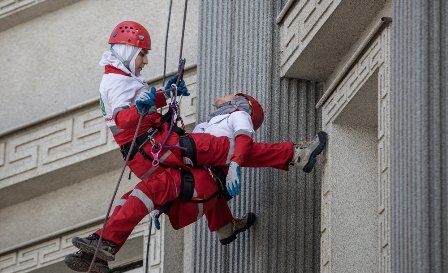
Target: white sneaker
{"points": [[305, 155]]}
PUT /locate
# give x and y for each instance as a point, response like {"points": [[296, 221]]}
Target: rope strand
{"points": [[115, 193]]}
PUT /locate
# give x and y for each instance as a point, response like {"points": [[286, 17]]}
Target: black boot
{"points": [[227, 233], [106, 251], [80, 261]]}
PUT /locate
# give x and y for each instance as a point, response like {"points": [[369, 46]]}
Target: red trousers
{"points": [[156, 191], [214, 151], [164, 186]]}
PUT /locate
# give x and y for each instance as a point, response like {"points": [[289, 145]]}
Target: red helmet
{"points": [[257, 111], [131, 33]]}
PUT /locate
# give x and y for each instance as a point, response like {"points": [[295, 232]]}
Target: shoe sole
{"points": [[91, 249], [322, 141], [250, 221], [81, 265]]}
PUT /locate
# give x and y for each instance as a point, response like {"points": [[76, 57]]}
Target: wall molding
{"points": [[14, 12], [376, 58], [304, 18], [54, 250], [67, 139]]}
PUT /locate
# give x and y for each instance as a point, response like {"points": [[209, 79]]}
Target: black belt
{"points": [[219, 176], [187, 189], [125, 149]]}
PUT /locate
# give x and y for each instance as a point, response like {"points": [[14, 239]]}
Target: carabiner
{"points": [[174, 88], [155, 154]]}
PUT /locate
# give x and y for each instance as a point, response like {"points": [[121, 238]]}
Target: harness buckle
{"points": [[155, 151]]}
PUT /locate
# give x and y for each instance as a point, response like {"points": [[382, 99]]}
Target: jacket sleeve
{"points": [[127, 118], [241, 125], [243, 146]]}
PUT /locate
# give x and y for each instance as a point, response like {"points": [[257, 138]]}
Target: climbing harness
{"points": [[174, 108]]}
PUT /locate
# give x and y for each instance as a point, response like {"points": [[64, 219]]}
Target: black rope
{"points": [[133, 143], [183, 30], [166, 41], [179, 77], [181, 60], [147, 245], [115, 193]]}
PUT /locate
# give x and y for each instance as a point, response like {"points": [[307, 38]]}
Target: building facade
{"points": [[373, 74], [58, 161]]}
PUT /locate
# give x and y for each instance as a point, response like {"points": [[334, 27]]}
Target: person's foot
{"points": [[305, 155], [106, 251], [227, 233], [80, 261]]}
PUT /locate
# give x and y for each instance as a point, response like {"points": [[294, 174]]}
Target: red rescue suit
{"points": [[210, 150], [158, 190], [163, 185]]}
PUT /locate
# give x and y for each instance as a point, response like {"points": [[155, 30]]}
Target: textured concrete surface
{"points": [[16, 12], [386, 11], [239, 46], [318, 34], [354, 199], [52, 66], [66, 149], [59, 209], [419, 137], [188, 249], [351, 191], [173, 248], [130, 252], [51, 62]]}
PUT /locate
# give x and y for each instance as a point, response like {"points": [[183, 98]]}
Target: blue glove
{"points": [[146, 100], [233, 179], [181, 88]]}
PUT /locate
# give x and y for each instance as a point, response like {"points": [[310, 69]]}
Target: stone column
{"points": [[239, 52], [419, 122]]}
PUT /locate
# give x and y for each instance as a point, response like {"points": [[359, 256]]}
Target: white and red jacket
{"points": [[119, 91], [232, 140], [237, 127]]}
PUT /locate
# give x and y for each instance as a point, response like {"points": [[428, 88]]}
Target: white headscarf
{"points": [[239, 103], [124, 52]]}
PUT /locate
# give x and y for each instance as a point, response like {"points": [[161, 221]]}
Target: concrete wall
{"points": [[50, 63], [238, 42], [64, 192], [58, 161], [419, 137], [350, 221]]}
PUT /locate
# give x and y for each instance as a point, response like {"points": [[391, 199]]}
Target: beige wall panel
{"points": [[60, 209], [51, 62]]}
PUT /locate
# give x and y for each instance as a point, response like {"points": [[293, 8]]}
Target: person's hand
{"points": [[146, 100], [233, 179], [181, 88]]}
